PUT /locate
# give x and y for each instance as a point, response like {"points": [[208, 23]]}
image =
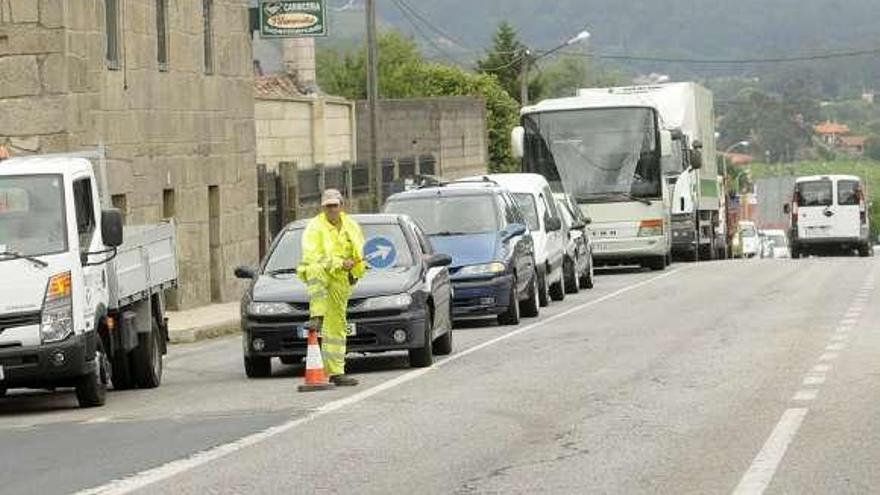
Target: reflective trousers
{"points": [[334, 330]]}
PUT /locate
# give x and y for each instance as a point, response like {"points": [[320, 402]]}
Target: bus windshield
{"points": [[604, 154]]}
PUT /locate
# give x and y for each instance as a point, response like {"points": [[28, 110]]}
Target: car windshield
{"points": [[815, 193], [748, 231], [385, 248], [450, 215], [778, 240], [596, 155], [529, 209], [32, 215]]}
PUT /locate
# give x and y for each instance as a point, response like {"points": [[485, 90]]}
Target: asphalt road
{"points": [[732, 377]]}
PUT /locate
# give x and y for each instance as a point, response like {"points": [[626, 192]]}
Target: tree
{"points": [[505, 61], [404, 73], [872, 147]]}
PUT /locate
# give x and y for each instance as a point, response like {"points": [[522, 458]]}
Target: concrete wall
{"points": [[179, 129], [306, 130], [452, 129]]}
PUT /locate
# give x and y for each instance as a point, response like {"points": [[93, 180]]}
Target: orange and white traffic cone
{"points": [[315, 378]]}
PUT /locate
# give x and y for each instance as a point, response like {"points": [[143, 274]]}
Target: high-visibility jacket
{"points": [[325, 248]]}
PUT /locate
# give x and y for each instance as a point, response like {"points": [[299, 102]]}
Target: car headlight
{"points": [[487, 269], [399, 301], [270, 309], [57, 317]]}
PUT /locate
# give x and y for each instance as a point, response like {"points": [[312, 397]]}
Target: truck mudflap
{"points": [[49, 365]]}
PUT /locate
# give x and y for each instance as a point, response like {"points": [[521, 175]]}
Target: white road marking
{"points": [[839, 338], [849, 321], [844, 329], [822, 368], [806, 395], [763, 468], [149, 477], [852, 314], [829, 356], [836, 347], [814, 380], [98, 420]]}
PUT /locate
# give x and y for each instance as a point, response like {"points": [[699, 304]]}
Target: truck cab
{"points": [[58, 278]]}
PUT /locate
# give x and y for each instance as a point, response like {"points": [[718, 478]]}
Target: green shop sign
{"points": [[293, 18]]}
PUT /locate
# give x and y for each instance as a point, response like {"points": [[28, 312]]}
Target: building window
{"points": [[162, 34], [208, 14], [111, 11]]}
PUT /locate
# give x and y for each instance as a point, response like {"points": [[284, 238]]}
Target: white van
{"points": [[829, 212], [532, 193], [749, 240]]}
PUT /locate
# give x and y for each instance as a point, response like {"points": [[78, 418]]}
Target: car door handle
{"points": [[829, 213]]}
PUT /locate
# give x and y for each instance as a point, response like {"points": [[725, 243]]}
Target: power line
{"points": [[414, 23], [430, 25], [776, 60]]}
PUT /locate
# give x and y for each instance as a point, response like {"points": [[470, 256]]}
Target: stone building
{"points": [[166, 86]]}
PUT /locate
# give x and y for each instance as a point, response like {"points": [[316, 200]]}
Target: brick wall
{"points": [[178, 129]]}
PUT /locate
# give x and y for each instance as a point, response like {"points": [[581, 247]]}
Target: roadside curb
{"points": [[191, 335]]}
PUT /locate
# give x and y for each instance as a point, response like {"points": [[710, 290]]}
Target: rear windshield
{"points": [[748, 231], [451, 215], [848, 192], [815, 193]]}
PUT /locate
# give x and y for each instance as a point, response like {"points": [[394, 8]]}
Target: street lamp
{"points": [[527, 61]]}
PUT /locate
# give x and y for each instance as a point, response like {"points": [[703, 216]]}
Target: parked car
{"points": [[493, 257], [829, 212], [403, 303], [532, 194], [578, 263], [777, 244], [750, 242]]}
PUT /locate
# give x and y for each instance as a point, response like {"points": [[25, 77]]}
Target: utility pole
{"points": [[372, 103], [524, 77]]}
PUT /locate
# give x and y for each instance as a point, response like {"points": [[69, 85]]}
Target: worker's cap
{"points": [[331, 197]]}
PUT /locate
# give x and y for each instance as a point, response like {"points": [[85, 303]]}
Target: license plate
{"points": [[303, 331]]}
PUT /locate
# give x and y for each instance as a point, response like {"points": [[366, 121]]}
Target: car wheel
{"points": [[557, 290], [291, 360], [91, 389], [511, 316], [257, 367], [3, 391], [543, 295], [424, 356], [443, 344], [571, 281], [529, 308], [586, 280], [122, 376], [864, 251]]}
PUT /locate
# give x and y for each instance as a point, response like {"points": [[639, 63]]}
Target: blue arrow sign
{"points": [[380, 253]]}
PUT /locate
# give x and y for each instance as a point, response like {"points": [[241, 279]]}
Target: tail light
{"points": [[651, 228], [863, 207]]}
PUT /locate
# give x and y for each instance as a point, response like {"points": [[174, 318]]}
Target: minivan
{"points": [[829, 212]]}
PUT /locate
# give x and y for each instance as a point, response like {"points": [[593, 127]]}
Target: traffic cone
{"points": [[315, 378]]}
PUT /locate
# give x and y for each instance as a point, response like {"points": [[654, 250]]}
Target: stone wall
{"points": [[171, 135], [305, 130], [452, 129]]}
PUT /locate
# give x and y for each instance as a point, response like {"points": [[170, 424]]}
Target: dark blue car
{"points": [[493, 260]]}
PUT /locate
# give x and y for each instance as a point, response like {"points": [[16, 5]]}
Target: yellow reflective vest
{"points": [[324, 249]]}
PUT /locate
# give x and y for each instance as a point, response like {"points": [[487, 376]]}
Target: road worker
{"points": [[332, 263]]}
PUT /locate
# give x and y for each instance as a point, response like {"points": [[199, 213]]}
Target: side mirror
{"points": [[437, 260], [696, 157], [588, 221], [786, 209], [666, 139], [245, 272], [111, 227], [515, 229], [552, 224], [517, 142], [579, 226]]}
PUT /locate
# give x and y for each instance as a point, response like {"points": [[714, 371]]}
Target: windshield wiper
{"points": [[633, 198], [283, 271], [450, 234], [597, 197], [18, 256]]}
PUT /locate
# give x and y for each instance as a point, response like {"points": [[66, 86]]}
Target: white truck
{"points": [[618, 152], [81, 296]]}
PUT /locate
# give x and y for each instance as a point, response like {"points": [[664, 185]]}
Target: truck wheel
{"points": [[146, 360], [586, 279], [657, 264], [864, 251], [91, 389], [529, 307], [511, 316], [424, 356], [122, 376], [543, 296], [3, 391], [571, 279]]}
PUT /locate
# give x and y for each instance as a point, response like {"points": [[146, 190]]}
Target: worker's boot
{"points": [[343, 381]]}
